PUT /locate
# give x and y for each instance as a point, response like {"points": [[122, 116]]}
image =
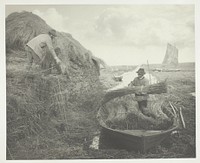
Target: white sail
{"points": [[171, 56]]}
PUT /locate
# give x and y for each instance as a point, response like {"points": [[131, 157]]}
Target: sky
{"points": [[123, 34]]}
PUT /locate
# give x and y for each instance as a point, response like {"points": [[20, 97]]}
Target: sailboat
{"points": [[171, 56], [170, 61]]}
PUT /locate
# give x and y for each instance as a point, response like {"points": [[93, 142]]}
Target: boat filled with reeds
{"points": [[125, 126]]}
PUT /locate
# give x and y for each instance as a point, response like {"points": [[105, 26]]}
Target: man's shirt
{"points": [[40, 43], [140, 82]]}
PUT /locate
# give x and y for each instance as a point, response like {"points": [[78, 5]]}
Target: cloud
{"points": [[145, 25], [141, 26], [53, 18], [129, 34]]}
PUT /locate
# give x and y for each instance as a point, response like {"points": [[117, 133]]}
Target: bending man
{"points": [[40, 49]]}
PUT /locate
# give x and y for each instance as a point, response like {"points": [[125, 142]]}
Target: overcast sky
{"points": [[124, 34]]}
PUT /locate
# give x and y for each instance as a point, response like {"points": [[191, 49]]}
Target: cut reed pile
{"points": [[123, 114], [50, 107]]}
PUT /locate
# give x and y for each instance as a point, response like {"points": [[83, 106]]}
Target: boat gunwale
{"points": [[174, 126], [157, 132]]}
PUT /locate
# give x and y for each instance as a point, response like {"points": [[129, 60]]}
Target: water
{"points": [[129, 76]]}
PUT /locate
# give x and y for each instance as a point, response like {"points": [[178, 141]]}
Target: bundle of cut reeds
{"points": [[157, 88], [124, 114]]}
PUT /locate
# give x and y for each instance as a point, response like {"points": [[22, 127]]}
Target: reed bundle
{"points": [[157, 88]]}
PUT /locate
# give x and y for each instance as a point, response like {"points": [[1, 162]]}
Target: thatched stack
{"points": [[22, 27], [49, 105]]}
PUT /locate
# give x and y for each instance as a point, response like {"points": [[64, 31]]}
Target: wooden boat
{"points": [[138, 140]]}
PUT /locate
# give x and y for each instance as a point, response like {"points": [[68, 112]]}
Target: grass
{"points": [[46, 114], [52, 137]]}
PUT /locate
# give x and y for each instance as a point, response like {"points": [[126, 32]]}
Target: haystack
{"points": [[49, 105], [122, 113], [22, 27]]}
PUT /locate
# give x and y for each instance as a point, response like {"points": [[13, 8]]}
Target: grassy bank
{"points": [[72, 140]]}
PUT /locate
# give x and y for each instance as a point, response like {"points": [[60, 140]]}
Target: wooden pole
{"points": [[149, 72], [174, 112], [181, 117]]}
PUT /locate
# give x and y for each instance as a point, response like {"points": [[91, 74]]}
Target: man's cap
{"points": [[141, 71], [53, 32]]}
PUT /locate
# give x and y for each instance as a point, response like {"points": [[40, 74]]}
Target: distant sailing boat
{"points": [[171, 56]]}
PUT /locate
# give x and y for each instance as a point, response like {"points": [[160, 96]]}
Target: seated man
{"points": [[140, 97], [40, 49]]}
